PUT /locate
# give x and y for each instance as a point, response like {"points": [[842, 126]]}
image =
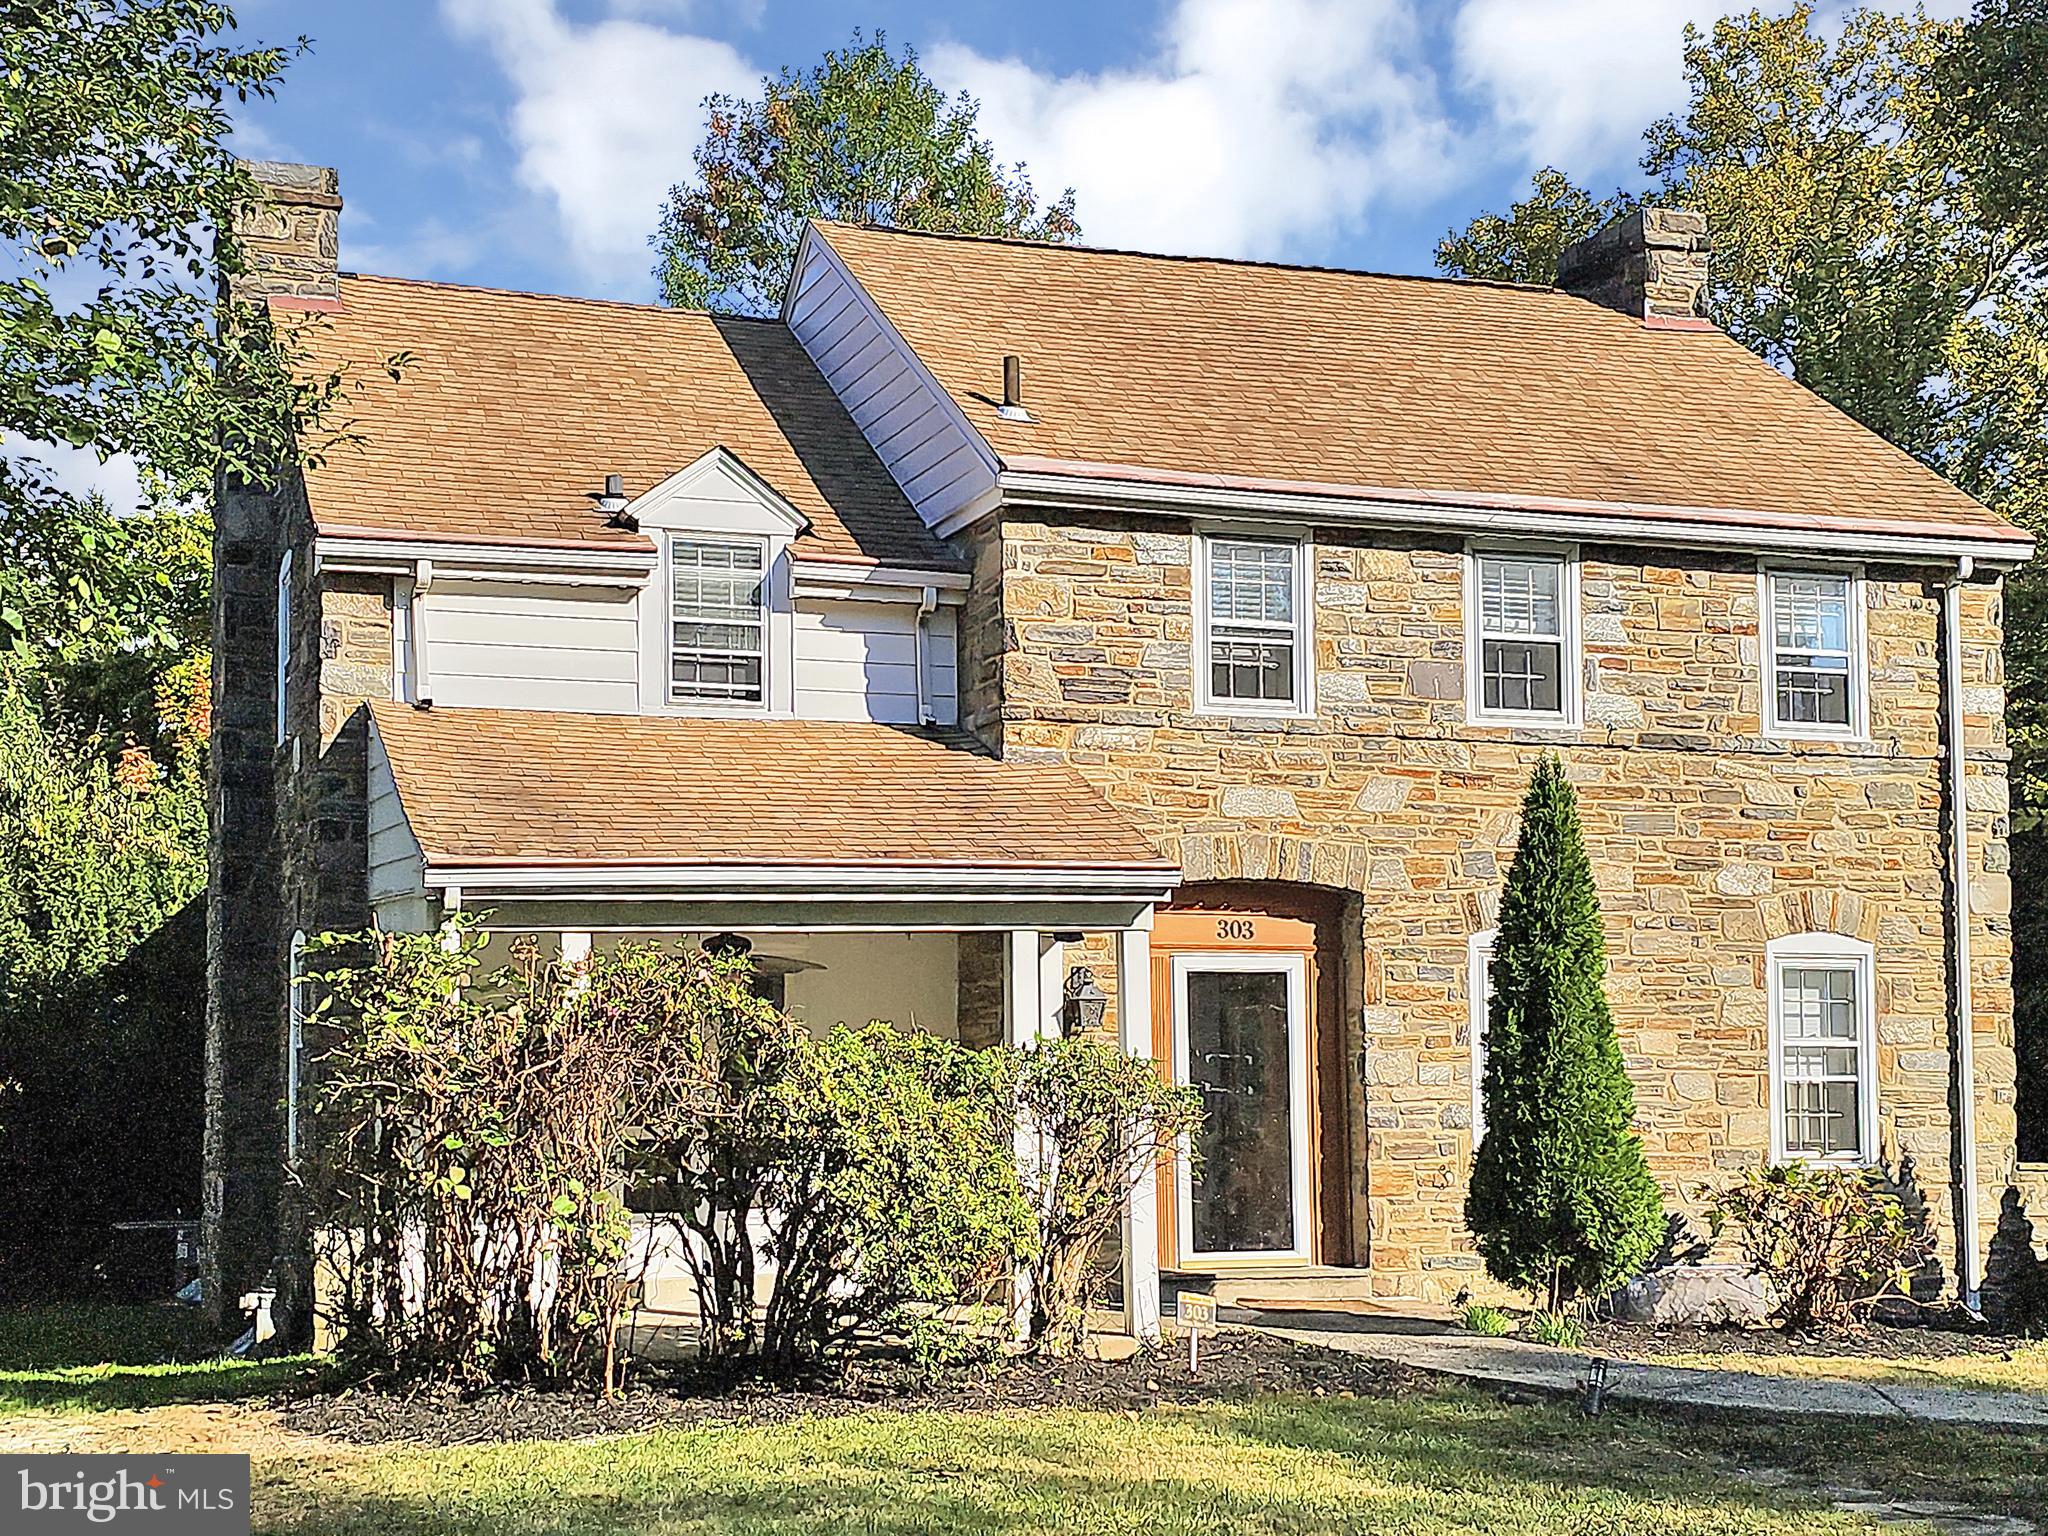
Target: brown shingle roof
{"points": [[511, 786], [515, 406], [1217, 368]]}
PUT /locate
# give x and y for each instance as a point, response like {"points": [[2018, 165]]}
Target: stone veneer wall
{"points": [[1707, 839]]}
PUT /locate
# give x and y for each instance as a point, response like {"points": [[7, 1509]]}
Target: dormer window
{"points": [[718, 620]]}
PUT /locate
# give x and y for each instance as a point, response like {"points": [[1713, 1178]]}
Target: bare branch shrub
{"points": [[1106, 1118], [469, 1139], [1832, 1242]]}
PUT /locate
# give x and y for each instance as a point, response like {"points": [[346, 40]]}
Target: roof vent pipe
{"points": [[613, 502], [1012, 408]]}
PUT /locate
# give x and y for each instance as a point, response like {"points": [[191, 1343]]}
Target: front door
{"points": [[1240, 1038]]}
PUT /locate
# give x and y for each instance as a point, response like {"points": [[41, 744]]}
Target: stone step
{"points": [[1293, 1286]]}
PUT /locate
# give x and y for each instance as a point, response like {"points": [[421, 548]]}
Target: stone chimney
{"points": [[290, 236], [1651, 265]]}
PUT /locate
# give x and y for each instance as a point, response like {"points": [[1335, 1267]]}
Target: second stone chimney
{"points": [[291, 235], [1651, 265]]}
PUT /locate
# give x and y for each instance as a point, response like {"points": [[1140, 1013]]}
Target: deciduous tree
{"points": [[867, 137]]}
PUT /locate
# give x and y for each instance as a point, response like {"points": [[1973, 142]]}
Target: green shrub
{"points": [[1561, 1198], [1490, 1321], [1106, 1117], [865, 1178], [1831, 1242], [1560, 1330]]}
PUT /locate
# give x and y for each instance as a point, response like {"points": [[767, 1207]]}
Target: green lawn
{"points": [[1448, 1462], [90, 1357], [1428, 1464]]}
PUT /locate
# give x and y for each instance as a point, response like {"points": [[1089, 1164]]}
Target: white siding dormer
{"points": [[718, 513], [917, 430]]}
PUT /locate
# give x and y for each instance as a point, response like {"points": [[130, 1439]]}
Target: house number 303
{"points": [[1236, 928]]}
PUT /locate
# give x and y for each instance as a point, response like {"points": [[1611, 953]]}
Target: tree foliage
{"points": [[98, 1036], [115, 182], [1995, 83], [866, 137], [1561, 1198], [1522, 245]]}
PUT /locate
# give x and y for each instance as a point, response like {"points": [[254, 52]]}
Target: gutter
{"points": [[1056, 485], [928, 602], [422, 675], [1968, 1269]]}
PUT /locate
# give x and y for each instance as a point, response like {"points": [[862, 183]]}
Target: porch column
{"points": [[575, 955], [1033, 968], [1141, 1217], [1032, 965]]}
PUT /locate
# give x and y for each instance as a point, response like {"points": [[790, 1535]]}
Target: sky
{"points": [[529, 143]]}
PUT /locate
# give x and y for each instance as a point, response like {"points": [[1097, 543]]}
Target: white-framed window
{"points": [[284, 641], [1479, 994], [1522, 644], [718, 620], [1252, 624], [1823, 1043], [294, 1039], [1813, 652]]}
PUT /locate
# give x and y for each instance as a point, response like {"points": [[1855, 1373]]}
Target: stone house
{"points": [[1004, 628]]}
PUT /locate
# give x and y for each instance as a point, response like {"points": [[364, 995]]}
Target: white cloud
{"points": [[1576, 81], [606, 118], [1259, 127]]}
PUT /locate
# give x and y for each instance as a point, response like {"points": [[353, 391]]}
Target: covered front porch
{"points": [[870, 874]]}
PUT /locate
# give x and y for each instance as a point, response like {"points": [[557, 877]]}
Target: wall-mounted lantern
{"points": [[1083, 1004]]}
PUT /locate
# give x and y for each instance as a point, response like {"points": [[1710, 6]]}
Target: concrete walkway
{"points": [[1448, 1350]]}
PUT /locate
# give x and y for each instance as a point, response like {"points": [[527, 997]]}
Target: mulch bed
{"points": [[1235, 1365], [1932, 1340]]}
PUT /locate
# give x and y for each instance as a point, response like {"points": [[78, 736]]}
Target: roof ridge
{"points": [[1187, 258], [638, 306]]}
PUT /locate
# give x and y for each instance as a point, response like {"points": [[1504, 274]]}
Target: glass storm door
{"points": [[1240, 1038]]}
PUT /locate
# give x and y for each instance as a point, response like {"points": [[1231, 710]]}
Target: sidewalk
{"points": [[1435, 1346]]}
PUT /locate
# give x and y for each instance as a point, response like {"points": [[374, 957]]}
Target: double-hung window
{"points": [[1823, 1085], [1522, 635], [1254, 607], [718, 620], [1813, 664]]}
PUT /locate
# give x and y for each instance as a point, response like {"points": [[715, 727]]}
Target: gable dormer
{"points": [[716, 631]]}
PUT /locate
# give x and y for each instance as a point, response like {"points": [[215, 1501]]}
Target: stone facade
{"points": [[1707, 838]]}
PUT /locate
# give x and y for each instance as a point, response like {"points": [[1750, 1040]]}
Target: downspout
{"points": [[422, 583], [927, 604], [1959, 882]]}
